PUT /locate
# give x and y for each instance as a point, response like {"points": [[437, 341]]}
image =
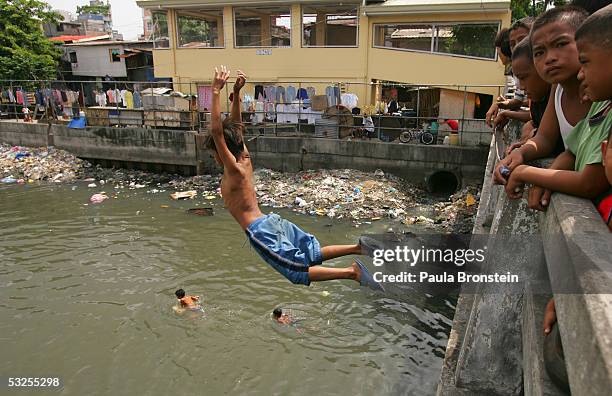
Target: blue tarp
{"points": [[78, 123]]}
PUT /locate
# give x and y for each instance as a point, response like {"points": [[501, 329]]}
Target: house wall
{"points": [[360, 65], [95, 61]]}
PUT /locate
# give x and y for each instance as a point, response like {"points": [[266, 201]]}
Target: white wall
{"points": [[95, 61]]}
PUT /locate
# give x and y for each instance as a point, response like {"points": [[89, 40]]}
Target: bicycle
{"points": [[422, 136]]}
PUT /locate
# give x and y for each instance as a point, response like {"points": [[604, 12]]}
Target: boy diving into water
{"points": [[294, 253]]}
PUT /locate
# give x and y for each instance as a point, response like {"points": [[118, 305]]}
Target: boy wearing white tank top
{"points": [[556, 61]]}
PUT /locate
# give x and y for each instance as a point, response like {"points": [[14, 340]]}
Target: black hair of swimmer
{"points": [[180, 293], [277, 313], [597, 29]]}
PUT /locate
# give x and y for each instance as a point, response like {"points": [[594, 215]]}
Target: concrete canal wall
{"points": [[496, 345], [183, 152]]}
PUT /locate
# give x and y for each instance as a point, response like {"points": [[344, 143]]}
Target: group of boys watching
{"points": [[562, 62]]}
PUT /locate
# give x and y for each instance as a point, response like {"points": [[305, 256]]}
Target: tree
{"points": [[523, 8], [25, 53], [100, 9], [193, 30]]}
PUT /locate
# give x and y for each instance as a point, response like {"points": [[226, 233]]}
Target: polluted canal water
{"points": [[87, 292]]}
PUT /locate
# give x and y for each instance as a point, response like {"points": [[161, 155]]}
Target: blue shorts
{"points": [[286, 247]]}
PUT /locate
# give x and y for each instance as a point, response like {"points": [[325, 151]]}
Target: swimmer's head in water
{"points": [[277, 313], [180, 293]]}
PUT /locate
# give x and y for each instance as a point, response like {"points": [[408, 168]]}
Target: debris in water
{"points": [[184, 195], [201, 211]]}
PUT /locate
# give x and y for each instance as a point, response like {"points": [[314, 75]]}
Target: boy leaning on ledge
{"points": [[583, 156], [292, 252]]}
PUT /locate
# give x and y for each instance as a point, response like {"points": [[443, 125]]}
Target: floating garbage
{"points": [[201, 211], [98, 198], [362, 197], [184, 195], [8, 180]]}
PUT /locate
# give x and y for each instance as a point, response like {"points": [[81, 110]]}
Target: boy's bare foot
{"points": [[356, 276]]}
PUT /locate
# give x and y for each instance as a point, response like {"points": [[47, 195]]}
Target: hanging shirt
{"points": [[137, 100], [111, 96], [290, 94], [349, 100], [129, 100], [302, 94], [259, 92], [259, 112], [123, 100], [19, 95], [30, 98], [280, 94], [311, 92]]}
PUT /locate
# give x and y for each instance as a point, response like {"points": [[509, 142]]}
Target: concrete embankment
{"points": [[496, 345], [182, 152]]}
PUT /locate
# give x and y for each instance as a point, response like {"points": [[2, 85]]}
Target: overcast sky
{"points": [[127, 16]]}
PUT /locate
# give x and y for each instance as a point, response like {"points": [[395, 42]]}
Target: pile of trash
{"points": [[361, 197], [24, 164], [344, 193], [458, 214]]}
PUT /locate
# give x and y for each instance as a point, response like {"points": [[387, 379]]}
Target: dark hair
{"points": [[572, 15], [597, 28], [502, 40], [277, 313], [180, 293], [523, 23], [232, 132], [523, 48], [590, 6]]}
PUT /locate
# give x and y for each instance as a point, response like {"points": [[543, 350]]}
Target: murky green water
{"points": [[86, 294]]}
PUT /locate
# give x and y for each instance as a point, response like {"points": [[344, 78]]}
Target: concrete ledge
{"points": [[414, 163], [585, 320], [128, 144], [24, 134]]}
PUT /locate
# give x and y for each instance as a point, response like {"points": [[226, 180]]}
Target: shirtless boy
{"points": [[294, 253], [189, 302]]}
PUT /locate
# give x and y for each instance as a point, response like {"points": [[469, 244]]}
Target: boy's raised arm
{"points": [[219, 80], [240, 81]]}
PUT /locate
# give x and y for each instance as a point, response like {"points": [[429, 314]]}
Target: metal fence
{"points": [[139, 104]]}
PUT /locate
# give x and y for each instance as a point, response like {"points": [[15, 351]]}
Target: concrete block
{"points": [[24, 134]]}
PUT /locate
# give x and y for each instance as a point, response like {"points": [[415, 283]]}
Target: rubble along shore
{"points": [[361, 197]]}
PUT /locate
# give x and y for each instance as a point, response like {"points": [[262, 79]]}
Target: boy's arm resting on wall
{"points": [[588, 183], [538, 197], [541, 145]]}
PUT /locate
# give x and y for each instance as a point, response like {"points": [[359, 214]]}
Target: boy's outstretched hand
{"points": [[220, 78], [240, 81]]}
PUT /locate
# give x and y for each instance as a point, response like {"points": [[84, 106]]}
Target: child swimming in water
{"points": [[187, 302], [292, 252], [281, 317]]}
